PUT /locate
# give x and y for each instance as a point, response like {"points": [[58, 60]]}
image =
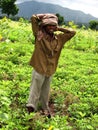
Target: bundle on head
{"points": [[49, 19]]}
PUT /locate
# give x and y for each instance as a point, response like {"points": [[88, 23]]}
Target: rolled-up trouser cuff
{"points": [[30, 105]]}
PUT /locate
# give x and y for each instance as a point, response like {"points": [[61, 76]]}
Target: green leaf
{"points": [[90, 127]]}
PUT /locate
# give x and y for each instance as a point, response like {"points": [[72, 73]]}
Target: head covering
{"points": [[49, 19]]}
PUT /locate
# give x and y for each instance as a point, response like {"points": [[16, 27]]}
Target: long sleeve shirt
{"points": [[47, 50]]}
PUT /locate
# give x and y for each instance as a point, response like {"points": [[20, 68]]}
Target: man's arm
{"points": [[35, 22], [64, 30], [66, 35]]}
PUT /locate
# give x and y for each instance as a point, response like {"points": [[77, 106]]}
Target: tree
{"points": [[60, 19], [0, 3], [93, 24], [9, 7]]}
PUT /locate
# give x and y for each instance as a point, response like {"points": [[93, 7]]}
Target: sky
{"points": [[87, 6]]}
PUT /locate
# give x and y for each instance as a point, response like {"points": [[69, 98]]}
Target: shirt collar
{"points": [[48, 37]]}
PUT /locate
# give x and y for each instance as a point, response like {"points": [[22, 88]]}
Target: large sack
{"points": [[49, 19]]}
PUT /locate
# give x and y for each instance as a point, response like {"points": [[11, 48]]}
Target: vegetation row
{"points": [[74, 89]]}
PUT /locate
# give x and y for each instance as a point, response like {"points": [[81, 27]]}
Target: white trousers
{"points": [[39, 91]]}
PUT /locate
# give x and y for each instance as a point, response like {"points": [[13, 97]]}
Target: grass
{"points": [[74, 88]]}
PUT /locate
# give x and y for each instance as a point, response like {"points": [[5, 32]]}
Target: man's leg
{"points": [[44, 95], [35, 89]]}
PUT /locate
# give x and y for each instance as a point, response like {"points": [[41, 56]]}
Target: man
{"points": [[48, 46]]}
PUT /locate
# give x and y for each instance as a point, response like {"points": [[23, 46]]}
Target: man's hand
{"points": [[65, 30], [40, 16]]}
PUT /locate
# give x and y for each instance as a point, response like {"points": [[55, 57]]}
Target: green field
{"points": [[74, 88]]}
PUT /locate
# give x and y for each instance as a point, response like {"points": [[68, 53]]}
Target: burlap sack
{"points": [[49, 19]]}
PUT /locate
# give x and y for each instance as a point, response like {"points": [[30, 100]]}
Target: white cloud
{"points": [[20, 1], [87, 6]]}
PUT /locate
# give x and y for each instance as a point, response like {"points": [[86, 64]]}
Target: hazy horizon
{"points": [[86, 6]]}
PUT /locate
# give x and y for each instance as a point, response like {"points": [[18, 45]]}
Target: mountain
{"points": [[26, 9]]}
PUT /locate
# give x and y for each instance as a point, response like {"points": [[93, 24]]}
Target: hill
{"points": [[26, 9]]}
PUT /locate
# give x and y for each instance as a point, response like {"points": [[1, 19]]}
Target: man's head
{"points": [[50, 23]]}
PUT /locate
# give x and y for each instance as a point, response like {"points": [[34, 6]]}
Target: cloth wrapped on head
{"points": [[49, 19]]}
